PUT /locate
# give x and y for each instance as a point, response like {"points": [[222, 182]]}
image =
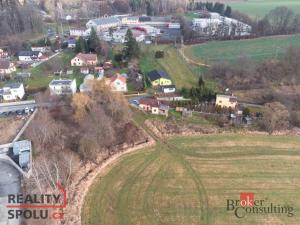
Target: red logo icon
{"points": [[246, 199]]}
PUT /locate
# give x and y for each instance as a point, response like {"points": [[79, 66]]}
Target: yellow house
{"points": [[226, 101], [159, 78]]}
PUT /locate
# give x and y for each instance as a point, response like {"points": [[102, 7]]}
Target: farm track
{"points": [[174, 152]]}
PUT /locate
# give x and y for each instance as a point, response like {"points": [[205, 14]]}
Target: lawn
{"points": [[259, 8], [187, 180], [180, 72], [257, 49], [42, 74]]}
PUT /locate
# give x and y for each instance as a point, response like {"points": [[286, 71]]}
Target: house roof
{"points": [[87, 57], [105, 20], [168, 86], [13, 85], [230, 98], [144, 18], [21, 146], [61, 82], [71, 41], [28, 53], [149, 101], [154, 75], [118, 77], [4, 64]]}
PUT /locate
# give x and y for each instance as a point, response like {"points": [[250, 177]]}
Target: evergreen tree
{"points": [[131, 46], [201, 82], [227, 12], [94, 42], [81, 45]]}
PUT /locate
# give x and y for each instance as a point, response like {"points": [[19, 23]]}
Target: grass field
{"points": [[259, 8], [257, 49], [187, 180], [180, 72]]}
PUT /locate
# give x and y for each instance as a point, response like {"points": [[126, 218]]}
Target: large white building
{"points": [[221, 26], [62, 87], [12, 92], [104, 23]]}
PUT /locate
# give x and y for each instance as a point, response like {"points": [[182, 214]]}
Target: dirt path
{"points": [[89, 174], [189, 60]]}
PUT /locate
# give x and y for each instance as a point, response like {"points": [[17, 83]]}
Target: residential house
{"points": [[13, 91], [71, 43], [130, 20], [62, 87], [107, 65], [118, 83], [226, 101], [153, 106], [168, 88], [86, 86], [3, 54], [149, 104], [84, 70], [6, 67], [159, 78], [78, 33], [29, 56], [104, 23], [84, 60], [39, 49]]}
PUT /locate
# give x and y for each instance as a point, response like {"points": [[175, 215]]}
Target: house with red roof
{"points": [[154, 106], [6, 67], [82, 59], [118, 83]]}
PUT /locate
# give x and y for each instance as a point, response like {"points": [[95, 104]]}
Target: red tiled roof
{"points": [[4, 64], [87, 57], [149, 101], [119, 77]]}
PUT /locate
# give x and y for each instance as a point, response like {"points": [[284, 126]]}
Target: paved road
{"points": [[10, 183]]}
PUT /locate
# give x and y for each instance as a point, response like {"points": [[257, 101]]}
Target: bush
{"points": [[159, 54]]}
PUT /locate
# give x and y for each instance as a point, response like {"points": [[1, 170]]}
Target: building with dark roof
{"points": [[63, 87], [159, 78]]}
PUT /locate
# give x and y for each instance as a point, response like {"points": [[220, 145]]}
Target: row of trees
{"points": [[92, 44], [217, 7], [15, 18], [200, 93]]}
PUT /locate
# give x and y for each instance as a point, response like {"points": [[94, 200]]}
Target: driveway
{"points": [[10, 183]]}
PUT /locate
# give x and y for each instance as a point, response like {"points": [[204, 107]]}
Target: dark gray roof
{"points": [[144, 19], [168, 86], [21, 146], [61, 82], [105, 20], [13, 85], [154, 75], [28, 53]]}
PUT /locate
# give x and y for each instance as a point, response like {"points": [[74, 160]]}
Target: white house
{"points": [[104, 23], [168, 88], [39, 49], [80, 32], [118, 83], [6, 67], [84, 60], [29, 56], [12, 92], [130, 20], [62, 87]]}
